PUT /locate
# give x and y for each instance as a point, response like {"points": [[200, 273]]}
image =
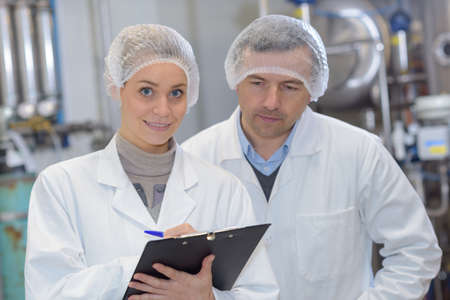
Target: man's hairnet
{"points": [[280, 45], [138, 46]]}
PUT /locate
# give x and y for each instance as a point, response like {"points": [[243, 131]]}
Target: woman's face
{"points": [[153, 105]]}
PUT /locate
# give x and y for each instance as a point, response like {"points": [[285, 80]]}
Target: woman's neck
{"points": [[141, 144]]}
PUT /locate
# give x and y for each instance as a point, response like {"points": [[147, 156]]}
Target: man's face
{"points": [[270, 104]]}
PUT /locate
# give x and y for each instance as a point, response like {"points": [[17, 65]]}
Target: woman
{"points": [[87, 215]]}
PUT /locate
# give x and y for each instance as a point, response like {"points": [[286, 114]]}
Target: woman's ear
{"points": [[121, 92], [115, 92]]}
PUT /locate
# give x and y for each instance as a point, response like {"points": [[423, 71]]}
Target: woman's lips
{"points": [[158, 126]]}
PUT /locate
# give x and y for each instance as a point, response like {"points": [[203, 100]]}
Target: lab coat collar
{"points": [[229, 140], [111, 172], [306, 140], [177, 204]]}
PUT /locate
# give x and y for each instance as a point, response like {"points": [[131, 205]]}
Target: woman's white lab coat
{"points": [[336, 192], [86, 226]]}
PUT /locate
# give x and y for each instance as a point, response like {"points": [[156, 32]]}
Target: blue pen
{"points": [[155, 233]]}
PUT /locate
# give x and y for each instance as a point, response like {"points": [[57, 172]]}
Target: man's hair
{"points": [[279, 35]]}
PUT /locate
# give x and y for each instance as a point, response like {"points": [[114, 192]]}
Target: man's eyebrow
{"points": [[255, 77], [299, 82]]}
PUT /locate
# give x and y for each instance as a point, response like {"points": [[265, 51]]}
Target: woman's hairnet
{"points": [[280, 45], [138, 46]]}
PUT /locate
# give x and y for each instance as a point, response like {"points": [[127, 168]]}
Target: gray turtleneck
{"points": [[148, 172]]}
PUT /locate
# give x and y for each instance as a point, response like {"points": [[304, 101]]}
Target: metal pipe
{"points": [[443, 208], [45, 43], [101, 24], [384, 94], [343, 48], [8, 82], [99, 39], [24, 151], [438, 288], [5, 115], [306, 12], [263, 7], [400, 52], [27, 60], [11, 216], [428, 36], [407, 78], [303, 11]]}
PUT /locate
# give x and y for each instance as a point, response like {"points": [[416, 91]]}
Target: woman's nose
{"points": [[161, 107]]}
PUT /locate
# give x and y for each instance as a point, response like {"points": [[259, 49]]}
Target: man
{"points": [[328, 188]]}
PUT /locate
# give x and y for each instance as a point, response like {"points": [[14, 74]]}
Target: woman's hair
{"points": [[138, 46]]}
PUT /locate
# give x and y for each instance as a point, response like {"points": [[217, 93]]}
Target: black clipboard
{"points": [[232, 248]]}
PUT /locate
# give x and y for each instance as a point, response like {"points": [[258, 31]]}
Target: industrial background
{"points": [[389, 73]]}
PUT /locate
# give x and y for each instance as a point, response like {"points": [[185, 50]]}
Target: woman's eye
{"points": [[146, 91], [176, 93]]}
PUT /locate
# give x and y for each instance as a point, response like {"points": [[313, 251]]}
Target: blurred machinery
{"points": [[28, 81], [390, 74], [31, 119], [28, 90]]}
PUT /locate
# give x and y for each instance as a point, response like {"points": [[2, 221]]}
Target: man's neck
{"points": [[265, 146]]}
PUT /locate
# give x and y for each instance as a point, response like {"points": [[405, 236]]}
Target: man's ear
{"points": [[237, 87]]}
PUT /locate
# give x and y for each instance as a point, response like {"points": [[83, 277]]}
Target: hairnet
{"points": [[138, 46], [281, 45]]}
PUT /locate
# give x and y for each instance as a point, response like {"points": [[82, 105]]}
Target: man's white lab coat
{"points": [[337, 191]]}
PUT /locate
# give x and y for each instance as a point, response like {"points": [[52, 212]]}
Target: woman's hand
{"points": [[179, 230], [179, 286]]}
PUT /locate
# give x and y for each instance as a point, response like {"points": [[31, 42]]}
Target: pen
{"points": [[155, 233]]}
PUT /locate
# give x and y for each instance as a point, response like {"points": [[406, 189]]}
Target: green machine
{"points": [[15, 190]]}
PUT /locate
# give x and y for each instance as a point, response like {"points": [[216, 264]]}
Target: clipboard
{"points": [[232, 248]]}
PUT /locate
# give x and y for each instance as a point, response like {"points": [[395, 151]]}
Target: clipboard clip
{"points": [[211, 236]]}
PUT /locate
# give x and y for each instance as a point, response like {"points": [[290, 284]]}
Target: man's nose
{"points": [[272, 99]]}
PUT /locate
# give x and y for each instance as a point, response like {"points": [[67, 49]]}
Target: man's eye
{"points": [[146, 91], [176, 93], [291, 87], [256, 82]]}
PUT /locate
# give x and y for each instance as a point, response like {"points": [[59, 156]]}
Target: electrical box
{"points": [[432, 142]]}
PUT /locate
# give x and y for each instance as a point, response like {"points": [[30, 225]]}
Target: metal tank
{"points": [[8, 81], [351, 32], [26, 51], [437, 45]]}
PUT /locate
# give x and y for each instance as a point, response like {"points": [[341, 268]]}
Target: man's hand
{"points": [[179, 286]]}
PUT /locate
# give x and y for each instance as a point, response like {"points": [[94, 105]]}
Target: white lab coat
{"points": [[336, 192], [86, 226]]}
